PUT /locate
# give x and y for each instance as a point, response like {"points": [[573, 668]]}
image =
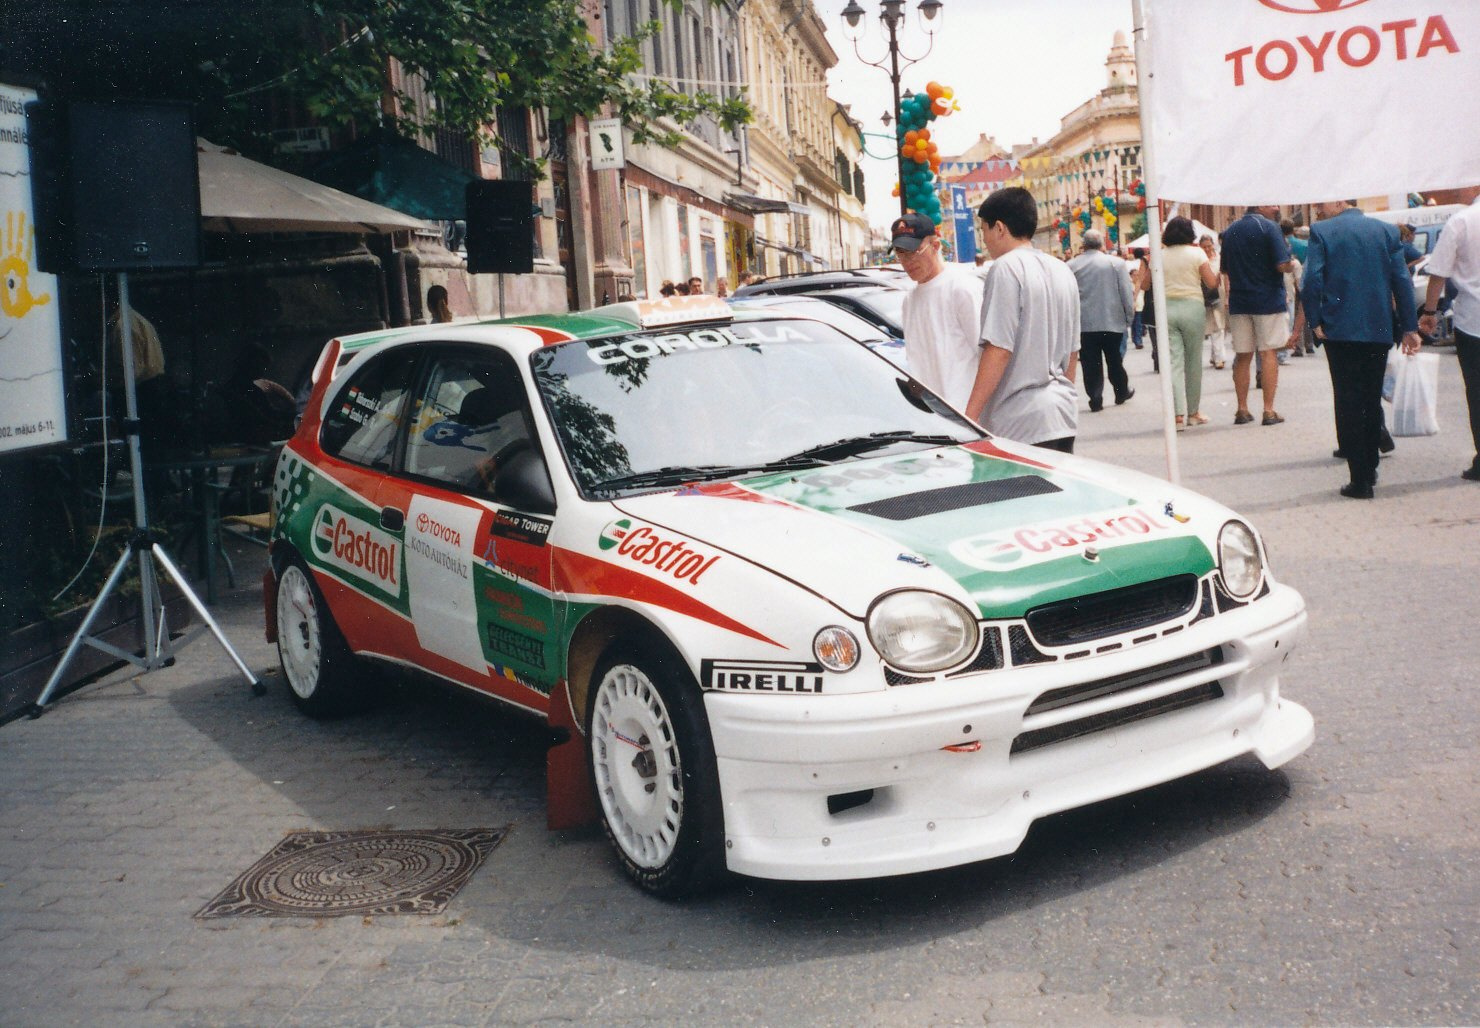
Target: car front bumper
{"points": [[923, 776]]}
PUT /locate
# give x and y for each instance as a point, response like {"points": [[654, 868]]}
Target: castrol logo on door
{"points": [[357, 548]]}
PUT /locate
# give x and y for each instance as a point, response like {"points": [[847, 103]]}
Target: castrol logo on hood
{"points": [[1052, 540], [357, 548]]}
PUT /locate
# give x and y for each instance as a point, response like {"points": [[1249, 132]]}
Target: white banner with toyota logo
{"points": [[1297, 101]]}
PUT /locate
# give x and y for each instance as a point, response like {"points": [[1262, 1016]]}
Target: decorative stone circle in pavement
{"points": [[333, 874]]}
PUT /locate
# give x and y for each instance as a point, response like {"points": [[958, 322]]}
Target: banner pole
{"points": [[1144, 87]]}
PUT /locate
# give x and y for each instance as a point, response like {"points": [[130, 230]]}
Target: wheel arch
{"points": [[594, 635]]}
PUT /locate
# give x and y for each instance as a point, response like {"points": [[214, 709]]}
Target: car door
{"points": [[477, 567], [334, 512]]}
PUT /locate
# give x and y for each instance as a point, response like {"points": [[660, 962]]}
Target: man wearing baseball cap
{"points": [[942, 315]]}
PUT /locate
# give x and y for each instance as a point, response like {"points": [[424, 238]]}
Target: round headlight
{"points": [[1239, 560], [836, 648], [921, 631]]}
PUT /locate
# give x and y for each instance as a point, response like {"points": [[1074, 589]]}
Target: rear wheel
{"points": [[317, 664], [653, 766]]}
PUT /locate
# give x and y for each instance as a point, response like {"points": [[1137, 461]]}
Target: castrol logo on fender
{"points": [[357, 548], [642, 545]]}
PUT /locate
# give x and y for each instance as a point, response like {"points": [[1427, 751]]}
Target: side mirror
{"points": [[523, 481]]}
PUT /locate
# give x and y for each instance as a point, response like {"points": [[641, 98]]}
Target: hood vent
{"points": [[956, 497]]}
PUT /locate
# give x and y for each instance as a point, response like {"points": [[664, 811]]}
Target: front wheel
{"points": [[653, 767], [317, 664]]}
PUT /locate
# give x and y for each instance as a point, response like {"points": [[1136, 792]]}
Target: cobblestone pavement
{"points": [[1343, 889]]}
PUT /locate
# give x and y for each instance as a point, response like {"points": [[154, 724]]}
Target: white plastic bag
{"points": [[1416, 395]]}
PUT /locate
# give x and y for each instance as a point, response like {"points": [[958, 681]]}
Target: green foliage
{"points": [[242, 62], [471, 57]]}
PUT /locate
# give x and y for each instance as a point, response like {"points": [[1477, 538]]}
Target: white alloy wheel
{"points": [[639, 779], [300, 632]]}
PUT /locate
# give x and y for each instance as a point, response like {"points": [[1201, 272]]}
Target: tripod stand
{"points": [[159, 649]]}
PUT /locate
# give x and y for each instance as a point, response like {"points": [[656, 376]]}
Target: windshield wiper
{"points": [[852, 445], [682, 474]]}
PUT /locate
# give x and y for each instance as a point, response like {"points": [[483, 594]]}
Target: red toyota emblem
{"points": [[1311, 6]]}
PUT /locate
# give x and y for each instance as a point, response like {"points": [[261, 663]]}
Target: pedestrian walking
{"points": [[1215, 305], [1255, 259], [1456, 261], [1024, 387], [1356, 285], [1106, 307], [942, 314], [1186, 271]]}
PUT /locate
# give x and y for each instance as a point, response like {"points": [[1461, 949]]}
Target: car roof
{"points": [[531, 331]]}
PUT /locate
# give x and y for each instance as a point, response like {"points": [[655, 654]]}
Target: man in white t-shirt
{"points": [[1024, 387], [1456, 259], [942, 314]]}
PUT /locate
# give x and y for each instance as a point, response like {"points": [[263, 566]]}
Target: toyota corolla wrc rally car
{"points": [[797, 617]]}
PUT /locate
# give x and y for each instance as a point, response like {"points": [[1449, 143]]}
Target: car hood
{"points": [[999, 526]]}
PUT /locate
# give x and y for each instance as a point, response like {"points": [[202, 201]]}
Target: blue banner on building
{"points": [[964, 219]]}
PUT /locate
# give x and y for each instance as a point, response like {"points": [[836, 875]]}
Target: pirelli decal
{"points": [[778, 676]]}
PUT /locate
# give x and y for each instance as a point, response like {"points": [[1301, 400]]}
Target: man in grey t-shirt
{"points": [[1024, 387]]}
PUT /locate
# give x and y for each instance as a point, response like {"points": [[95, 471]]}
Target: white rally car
{"points": [[799, 618]]}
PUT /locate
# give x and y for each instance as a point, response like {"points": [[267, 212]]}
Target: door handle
{"points": [[392, 519]]}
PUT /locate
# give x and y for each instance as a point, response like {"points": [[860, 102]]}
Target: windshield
{"points": [[659, 409]]}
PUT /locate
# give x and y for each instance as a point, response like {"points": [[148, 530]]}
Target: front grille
{"points": [[956, 497], [1099, 615], [1042, 737]]}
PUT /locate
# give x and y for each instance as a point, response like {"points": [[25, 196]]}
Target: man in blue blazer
{"points": [[1357, 296]]}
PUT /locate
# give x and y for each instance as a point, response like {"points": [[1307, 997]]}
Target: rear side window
{"points": [[362, 425]]}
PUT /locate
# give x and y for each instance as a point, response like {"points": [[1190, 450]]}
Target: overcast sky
{"points": [[1017, 67]]}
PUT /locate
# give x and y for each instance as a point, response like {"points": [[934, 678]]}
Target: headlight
{"points": [[1239, 560], [920, 631]]}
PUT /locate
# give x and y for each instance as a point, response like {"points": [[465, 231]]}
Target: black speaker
{"points": [[500, 227], [116, 186]]}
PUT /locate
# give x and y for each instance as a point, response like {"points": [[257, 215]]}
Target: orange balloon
{"points": [[932, 89], [923, 134], [931, 147], [919, 157], [896, 190], [910, 137]]}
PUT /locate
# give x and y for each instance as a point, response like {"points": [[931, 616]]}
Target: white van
{"points": [[1426, 222]]}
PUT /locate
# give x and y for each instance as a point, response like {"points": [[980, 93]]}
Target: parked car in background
{"points": [[792, 615], [859, 329], [1427, 222]]}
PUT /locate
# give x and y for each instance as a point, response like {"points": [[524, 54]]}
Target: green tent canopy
{"points": [[391, 170]]}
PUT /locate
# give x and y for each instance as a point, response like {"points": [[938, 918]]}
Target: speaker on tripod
{"points": [[117, 189]]}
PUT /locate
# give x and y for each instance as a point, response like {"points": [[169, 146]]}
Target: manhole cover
{"points": [[332, 874]]}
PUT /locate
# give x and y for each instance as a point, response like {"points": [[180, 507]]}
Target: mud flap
{"points": [[569, 802], [269, 604]]}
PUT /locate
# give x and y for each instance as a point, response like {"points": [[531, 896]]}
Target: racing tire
{"points": [[654, 773], [317, 663]]}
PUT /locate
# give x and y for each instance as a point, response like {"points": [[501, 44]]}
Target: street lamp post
{"points": [[891, 13]]}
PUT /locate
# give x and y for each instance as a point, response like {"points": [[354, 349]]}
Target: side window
{"points": [[362, 424], [471, 416]]}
